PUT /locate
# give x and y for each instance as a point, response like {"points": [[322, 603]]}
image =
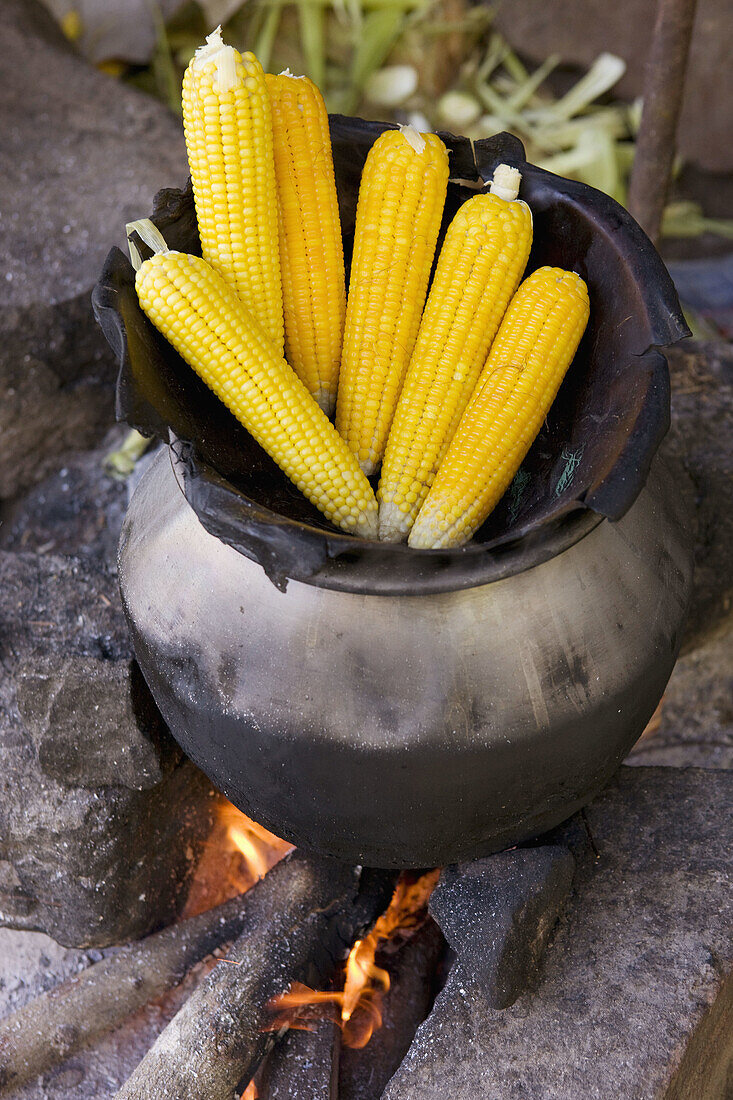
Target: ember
{"points": [[356, 1007]]}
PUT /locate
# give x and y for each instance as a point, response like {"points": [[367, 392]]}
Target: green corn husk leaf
{"points": [[686, 219], [312, 28], [265, 40], [120, 463], [526, 90], [377, 36], [164, 69], [606, 70]]}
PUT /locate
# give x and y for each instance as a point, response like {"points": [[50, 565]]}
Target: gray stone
{"points": [[80, 154], [101, 817], [696, 722], [76, 511], [635, 995], [92, 723], [497, 914], [700, 439], [580, 35], [695, 725]]}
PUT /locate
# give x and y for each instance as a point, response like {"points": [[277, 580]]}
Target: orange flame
{"points": [[237, 854], [260, 850], [250, 1093], [357, 1007]]}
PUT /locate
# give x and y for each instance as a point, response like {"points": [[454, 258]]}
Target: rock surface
{"points": [[101, 816], [696, 718], [700, 439], [633, 1001], [76, 511], [72, 135], [557, 26], [498, 913]]}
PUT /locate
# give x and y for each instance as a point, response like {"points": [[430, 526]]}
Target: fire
{"points": [[260, 850], [250, 1093], [357, 1007], [237, 854]]}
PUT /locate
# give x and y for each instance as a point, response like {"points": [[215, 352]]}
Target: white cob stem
{"points": [[413, 137], [224, 57], [506, 182]]}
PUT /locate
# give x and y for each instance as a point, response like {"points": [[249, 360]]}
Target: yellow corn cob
{"points": [[227, 121], [398, 217], [533, 349], [480, 264], [206, 323], [311, 249]]}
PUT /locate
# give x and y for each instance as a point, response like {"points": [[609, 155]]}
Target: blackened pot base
{"points": [[410, 730]]}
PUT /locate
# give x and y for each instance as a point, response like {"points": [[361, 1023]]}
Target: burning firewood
{"points": [[300, 923]]}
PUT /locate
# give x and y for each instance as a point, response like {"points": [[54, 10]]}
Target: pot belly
{"points": [[407, 730]]}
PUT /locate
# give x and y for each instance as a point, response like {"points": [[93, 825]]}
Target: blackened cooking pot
{"points": [[404, 707], [409, 730]]}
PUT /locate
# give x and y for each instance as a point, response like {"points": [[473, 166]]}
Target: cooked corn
{"points": [[227, 121], [311, 250], [398, 217], [206, 323], [533, 348], [480, 264]]}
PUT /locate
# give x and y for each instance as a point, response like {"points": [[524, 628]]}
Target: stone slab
{"points": [[522, 891], [695, 727], [635, 986], [101, 816], [76, 511], [80, 154]]}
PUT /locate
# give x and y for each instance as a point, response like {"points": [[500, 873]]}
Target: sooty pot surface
{"points": [[409, 730]]}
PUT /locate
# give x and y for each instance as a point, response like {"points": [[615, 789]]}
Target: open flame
{"points": [[357, 1007], [238, 853]]}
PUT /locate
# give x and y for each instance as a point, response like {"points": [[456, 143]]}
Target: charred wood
{"points": [[62, 1021], [302, 919], [413, 969], [303, 1066]]}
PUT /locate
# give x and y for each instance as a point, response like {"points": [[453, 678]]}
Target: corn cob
{"points": [[227, 122], [480, 264], [398, 217], [533, 348], [203, 319], [311, 250]]}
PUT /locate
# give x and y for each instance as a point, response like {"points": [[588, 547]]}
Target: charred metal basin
{"points": [[401, 707]]}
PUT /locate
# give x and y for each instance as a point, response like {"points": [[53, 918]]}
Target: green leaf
{"points": [[312, 22], [379, 32]]}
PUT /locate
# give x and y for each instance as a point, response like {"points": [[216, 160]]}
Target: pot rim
{"points": [[371, 568]]}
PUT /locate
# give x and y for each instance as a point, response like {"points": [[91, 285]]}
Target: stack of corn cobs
{"points": [[447, 394]]}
